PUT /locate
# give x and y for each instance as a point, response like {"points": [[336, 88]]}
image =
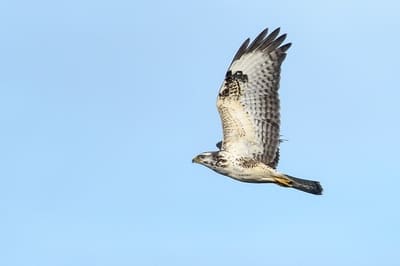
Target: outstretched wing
{"points": [[248, 101]]}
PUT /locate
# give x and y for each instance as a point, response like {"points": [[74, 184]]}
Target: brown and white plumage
{"points": [[250, 115], [248, 104]]}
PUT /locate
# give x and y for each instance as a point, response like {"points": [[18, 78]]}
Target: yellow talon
{"points": [[283, 181]]}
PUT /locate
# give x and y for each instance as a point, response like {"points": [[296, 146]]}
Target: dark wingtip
{"points": [[285, 47], [258, 41], [242, 50], [264, 42]]}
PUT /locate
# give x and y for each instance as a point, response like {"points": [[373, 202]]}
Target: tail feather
{"points": [[309, 186]]}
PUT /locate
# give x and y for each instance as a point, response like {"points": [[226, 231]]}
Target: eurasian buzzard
{"points": [[248, 104]]}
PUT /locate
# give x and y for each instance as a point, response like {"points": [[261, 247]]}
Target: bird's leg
{"points": [[283, 181]]}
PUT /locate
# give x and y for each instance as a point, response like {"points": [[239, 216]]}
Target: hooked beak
{"points": [[196, 159]]}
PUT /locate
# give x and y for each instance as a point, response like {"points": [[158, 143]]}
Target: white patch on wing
{"points": [[249, 108]]}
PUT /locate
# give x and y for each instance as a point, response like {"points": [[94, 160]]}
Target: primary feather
{"points": [[248, 100], [248, 104]]}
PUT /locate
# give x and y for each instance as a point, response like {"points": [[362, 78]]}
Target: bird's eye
{"points": [[202, 156]]}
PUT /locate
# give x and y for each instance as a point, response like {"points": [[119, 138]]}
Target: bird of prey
{"points": [[248, 104]]}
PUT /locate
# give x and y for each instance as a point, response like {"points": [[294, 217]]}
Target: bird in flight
{"points": [[248, 104]]}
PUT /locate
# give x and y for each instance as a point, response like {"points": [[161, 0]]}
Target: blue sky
{"points": [[103, 104]]}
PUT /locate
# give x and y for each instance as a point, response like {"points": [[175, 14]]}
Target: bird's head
{"points": [[215, 160]]}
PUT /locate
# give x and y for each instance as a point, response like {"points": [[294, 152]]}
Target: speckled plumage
{"points": [[249, 107], [248, 104]]}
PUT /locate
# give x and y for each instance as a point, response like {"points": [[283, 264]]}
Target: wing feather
{"points": [[248, 100], [241, 50]]}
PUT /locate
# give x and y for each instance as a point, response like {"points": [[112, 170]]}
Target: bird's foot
{"points": [[283, 181]]}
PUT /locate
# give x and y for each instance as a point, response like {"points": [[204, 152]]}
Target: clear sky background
{"points": [[103, 104]]}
